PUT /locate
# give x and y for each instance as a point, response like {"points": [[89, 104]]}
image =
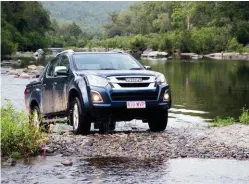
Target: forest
{"points": [[200, 27]]}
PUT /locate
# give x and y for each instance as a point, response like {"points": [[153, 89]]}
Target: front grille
{"points": [[133, 85], [134, 96], [123, 78]]}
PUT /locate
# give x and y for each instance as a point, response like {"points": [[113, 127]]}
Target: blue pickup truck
{"points": [[101, 88]]}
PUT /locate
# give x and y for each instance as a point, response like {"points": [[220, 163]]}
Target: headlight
{"points": [[97, 81], [161, 80]]}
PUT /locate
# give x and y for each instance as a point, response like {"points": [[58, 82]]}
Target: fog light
{"points": [[96, 97], [166, 97]]}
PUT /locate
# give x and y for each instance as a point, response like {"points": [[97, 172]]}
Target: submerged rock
{"points": [[67, 162]]}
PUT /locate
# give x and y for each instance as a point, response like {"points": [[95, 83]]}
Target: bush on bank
{"points": [[243, 119], [18, 137]]}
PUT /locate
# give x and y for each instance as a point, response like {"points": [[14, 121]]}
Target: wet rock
{"points": [[24, 76], [202, 150], [66, 154], [32, 67], [67, 162], [9, 162], [13, 72]]}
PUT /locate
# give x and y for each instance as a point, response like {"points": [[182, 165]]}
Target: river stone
{"points": [[67, 162], [32, 67], [13, 72], [24, 76]]}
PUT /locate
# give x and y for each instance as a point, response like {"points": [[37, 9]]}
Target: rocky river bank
{"points": [[230, 142]]}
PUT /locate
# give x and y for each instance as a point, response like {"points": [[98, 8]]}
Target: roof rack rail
{"points": [[65, 51]]}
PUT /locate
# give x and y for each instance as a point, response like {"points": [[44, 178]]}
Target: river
{"points": [[201, 89]]}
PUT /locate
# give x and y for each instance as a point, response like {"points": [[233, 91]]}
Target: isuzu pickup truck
{"points": [[101, 88]]}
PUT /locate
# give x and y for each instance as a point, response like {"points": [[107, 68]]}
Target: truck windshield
{"points": [[105, 61]]}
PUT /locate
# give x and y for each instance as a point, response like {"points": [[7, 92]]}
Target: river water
{"points": [[201, 89]]}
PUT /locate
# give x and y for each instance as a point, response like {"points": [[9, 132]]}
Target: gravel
{"points": [[219, 142]]}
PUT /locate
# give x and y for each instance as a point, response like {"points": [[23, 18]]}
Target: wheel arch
{"points": [[33, 103]]}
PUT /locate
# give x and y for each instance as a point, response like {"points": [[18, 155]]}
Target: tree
{"points": [[24, 26]]}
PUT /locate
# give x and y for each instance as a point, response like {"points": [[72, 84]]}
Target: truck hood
{"points": [[109, 73]]}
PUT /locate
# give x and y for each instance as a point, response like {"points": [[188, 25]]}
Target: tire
{"points": [[35, 119], [80, 121], [112, 125], [104, 126], [158, 120]]}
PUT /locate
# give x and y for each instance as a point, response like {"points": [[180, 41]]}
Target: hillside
{"points": [[89, 15]]}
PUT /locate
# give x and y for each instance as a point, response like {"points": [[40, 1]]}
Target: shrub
{"points": [[234, 46], [244, 117], [222, 122], [18, 136]]}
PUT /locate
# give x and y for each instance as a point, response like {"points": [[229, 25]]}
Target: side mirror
{"points": [[60, 70], [147, 67]]}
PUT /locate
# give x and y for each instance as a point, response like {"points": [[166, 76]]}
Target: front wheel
{"points": [[104, 126], [81, 122], [36, 120], [158, 120]]}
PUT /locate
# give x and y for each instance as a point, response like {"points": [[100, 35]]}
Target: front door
{"points": [[60, 86], [47, 105]]}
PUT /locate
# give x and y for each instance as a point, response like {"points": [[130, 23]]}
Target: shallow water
{"points": [[124, 170], [218, 88]]}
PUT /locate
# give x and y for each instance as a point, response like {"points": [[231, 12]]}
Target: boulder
{"points": [[154, 54], [40, 52], [36, 54], [67, 162], [18, 53], [24, 76], [157, 54], [190, 56], [32, 67], [13, 72], [146, 52]]}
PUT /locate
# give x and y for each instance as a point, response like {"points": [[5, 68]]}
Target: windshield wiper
{"points": [[135, 69], [108, 69]]}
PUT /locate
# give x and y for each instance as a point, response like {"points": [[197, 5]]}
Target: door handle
{"points": [[54, 83]]}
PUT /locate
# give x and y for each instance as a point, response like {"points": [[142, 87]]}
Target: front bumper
{"points": [[116, 108]]}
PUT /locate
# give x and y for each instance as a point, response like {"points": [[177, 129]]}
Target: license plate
{"points": [[136, 105]]}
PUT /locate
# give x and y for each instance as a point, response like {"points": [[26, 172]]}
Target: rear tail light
{"points": [[26, 91]]}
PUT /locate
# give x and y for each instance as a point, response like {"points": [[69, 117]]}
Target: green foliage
{"points": [[244, 117], [222, 122], [197, 40], [67, 35], [233, 45], [18, 136], [24, 25], [200, 27]]}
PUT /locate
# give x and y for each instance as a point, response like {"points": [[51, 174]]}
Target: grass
{"points": [[218, 122], [243, 119], [19, 138]]}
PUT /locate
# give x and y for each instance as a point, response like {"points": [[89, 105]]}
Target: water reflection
{"points": [[220, 88]]}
